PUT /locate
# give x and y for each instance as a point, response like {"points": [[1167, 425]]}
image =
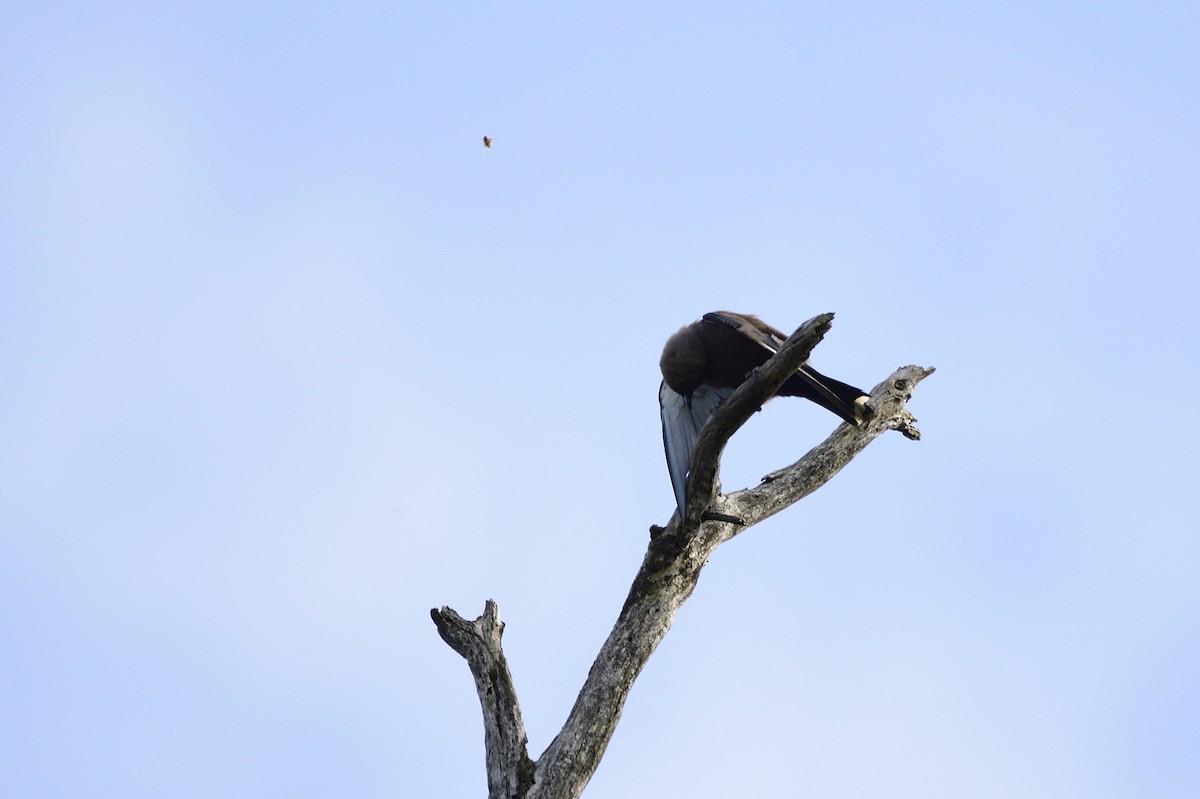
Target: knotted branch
{"points": [[509, 768]]}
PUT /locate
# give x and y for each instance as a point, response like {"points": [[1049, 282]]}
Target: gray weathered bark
{"points": [[668, 574], [509, 769]]}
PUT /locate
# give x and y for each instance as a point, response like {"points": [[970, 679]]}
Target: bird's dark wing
{"points": [[813, 385], [682, 420], [751, 327]]}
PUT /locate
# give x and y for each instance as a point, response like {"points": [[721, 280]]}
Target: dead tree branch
{"points": [[509, 769], [667, 577]]}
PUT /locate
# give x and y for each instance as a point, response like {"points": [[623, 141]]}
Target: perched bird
{"points": [[704, 362]]}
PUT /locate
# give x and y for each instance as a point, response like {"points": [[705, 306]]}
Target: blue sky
{"points": [[287, 360]]}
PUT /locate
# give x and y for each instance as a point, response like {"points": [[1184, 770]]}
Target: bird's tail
{"points": [[845, 400]]}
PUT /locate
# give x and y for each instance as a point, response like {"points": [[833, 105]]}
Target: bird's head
{"points": [[683, 361]]}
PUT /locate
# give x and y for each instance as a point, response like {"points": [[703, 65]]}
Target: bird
{"points": [[705, 361]]}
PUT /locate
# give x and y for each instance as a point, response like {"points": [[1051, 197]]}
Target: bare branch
{"points": [[791, 484], [509, 768], [665, 580]]}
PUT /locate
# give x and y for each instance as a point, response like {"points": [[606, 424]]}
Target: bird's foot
{"points": [[713, 516]]}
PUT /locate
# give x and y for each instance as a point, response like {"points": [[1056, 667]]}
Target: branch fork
{"points": [[674, 558]]}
